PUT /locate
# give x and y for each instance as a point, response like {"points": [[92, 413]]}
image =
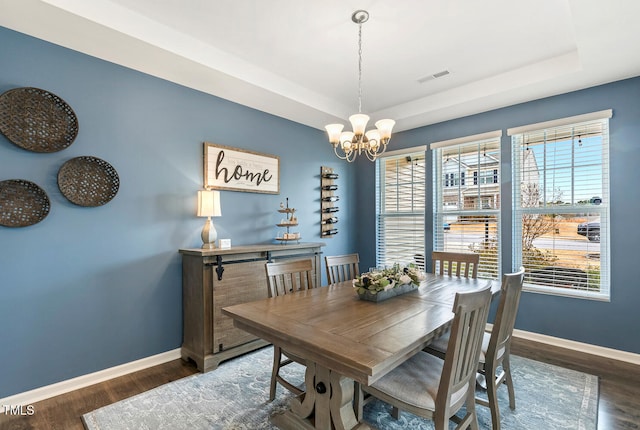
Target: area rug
{"points": [[234, 397]]}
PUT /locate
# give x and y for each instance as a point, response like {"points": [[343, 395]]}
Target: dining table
{"points": [[345, 339]]}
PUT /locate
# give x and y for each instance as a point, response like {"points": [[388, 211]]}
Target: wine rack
{"points": [[328, 202]]}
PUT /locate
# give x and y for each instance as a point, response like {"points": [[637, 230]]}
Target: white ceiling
{"points": [[298, 58]]}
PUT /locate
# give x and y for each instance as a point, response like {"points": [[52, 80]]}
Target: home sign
{"points": [[233, 169]]}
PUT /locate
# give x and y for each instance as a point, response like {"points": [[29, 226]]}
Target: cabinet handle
{"points": [[219, 269]]}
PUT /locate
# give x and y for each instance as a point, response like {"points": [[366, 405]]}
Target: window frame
{"points": [[492, 269], [418, 246], [601, 209]]}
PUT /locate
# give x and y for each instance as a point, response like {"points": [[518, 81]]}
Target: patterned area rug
{"points": [[234, 397]]}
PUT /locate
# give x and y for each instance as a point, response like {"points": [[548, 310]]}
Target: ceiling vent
{"points": [[434, 76]]}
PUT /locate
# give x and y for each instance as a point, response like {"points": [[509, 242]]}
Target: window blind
{"points": [[466, 199], [561, 206], [400, 190]]}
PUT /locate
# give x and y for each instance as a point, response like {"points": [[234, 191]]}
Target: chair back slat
{"points": [[285, 277], [505, 320], [342, 268], [465, 342], [455, 263]]}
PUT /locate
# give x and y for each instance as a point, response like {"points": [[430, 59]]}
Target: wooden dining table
{"points": [[344, 339]]}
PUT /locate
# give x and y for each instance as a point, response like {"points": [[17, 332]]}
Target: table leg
{"points": [[327, 403]]}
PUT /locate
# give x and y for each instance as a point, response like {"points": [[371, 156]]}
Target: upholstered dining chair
{"points": [[342, 267], [496, 346], [455, 263], [433, 388], [287, 277]]}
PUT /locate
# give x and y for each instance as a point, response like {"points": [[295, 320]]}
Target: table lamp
{"points": [[209, 205]]}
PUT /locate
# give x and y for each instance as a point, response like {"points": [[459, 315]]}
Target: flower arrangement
{"points": [[387, 279]]}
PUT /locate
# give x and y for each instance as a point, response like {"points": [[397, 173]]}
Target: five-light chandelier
{"points": [[351, 143]]}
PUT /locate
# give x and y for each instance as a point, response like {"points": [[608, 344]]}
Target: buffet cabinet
{"points": [[215, 278]]}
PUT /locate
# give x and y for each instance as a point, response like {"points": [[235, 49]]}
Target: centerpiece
{"points": [[381, 284]]}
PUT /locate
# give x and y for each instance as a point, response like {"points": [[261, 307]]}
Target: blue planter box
{"points": [[384, 295]]}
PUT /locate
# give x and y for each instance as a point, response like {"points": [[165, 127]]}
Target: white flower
{"points": [[404, 279]]}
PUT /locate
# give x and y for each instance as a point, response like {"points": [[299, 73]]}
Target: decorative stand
{"points": [[290, 221]]}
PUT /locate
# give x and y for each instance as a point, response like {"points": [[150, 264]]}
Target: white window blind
{"points": [[561, 206], [400, 191], [466, 199]]}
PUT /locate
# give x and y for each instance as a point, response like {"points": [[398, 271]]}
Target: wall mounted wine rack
{"points": [[328, 202]]}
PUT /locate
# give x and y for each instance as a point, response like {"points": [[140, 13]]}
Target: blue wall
{"points": [[90, 288], [611, 324]]}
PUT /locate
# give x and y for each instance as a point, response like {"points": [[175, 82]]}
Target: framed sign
{"points": [[227, 168]]}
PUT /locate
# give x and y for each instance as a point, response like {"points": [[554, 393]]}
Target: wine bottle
{"points": [[330, 175], [330, 187], [330, 210], [332, 220], [330, 199], [330, 232]]}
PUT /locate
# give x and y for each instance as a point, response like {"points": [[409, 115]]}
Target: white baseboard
{"points": [[42, 393], [601, 351], [615, 354]]}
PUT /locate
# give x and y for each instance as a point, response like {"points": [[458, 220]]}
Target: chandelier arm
{"points": [[372, 155], [348, 156]]}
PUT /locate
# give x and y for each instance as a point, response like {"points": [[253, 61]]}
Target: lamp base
{"points": [[209, 235]]}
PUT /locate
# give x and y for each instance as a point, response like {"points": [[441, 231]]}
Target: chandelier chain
{"points": [[360, 67]]}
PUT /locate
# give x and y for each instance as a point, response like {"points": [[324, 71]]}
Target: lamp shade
{"points": [[334, 130], [384, 127], [359, 123], [209, 203]]}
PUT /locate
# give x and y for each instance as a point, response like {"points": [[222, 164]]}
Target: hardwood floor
{"points": [[618, 409]]}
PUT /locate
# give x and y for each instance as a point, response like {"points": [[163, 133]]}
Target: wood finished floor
{"points": [[618, 409]]}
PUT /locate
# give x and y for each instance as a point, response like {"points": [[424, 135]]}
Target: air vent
{"points": [[434, 76]]}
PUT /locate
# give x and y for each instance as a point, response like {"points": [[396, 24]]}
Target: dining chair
{"points": [[496, 346], [430, 387], [342, 267], [287, 277], [455, 263]]}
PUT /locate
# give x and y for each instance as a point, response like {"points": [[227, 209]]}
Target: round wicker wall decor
{"points": [[22, 203], [37, 120], [88, 181]]}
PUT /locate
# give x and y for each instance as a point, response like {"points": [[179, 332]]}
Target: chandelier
{"points": [[351, 143]]}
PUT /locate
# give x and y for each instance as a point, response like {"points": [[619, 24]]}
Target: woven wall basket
{"points": [[37, 120], [22, 203], [88, 181]]}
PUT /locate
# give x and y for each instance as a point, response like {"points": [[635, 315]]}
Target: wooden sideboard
{"points": [[215, 278]]}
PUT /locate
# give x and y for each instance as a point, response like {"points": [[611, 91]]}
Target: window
{"points": [[400, 190], [561, 205], [467, 213]]}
